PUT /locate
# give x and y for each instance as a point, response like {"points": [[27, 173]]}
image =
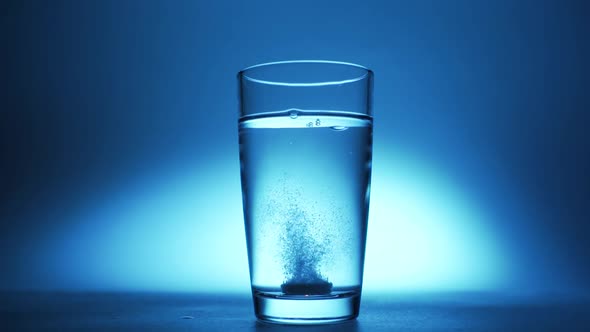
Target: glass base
{"points": [[306, 309]]}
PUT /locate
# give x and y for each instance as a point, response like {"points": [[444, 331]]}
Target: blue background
{"points": [[119, 156]]}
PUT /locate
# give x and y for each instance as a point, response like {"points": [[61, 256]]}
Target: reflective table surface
{"points": [[118, 311]]}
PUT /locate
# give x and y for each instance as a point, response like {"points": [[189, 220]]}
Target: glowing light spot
{"points": [[183, 230], [424, 233]]}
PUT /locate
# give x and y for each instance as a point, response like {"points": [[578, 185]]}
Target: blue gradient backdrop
{"points": [[119, 155]]}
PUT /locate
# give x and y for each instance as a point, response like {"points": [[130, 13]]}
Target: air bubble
{"points": [[339, 128], [293, 114]]}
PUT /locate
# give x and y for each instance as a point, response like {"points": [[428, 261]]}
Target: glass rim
{"points": [[365, 72]]}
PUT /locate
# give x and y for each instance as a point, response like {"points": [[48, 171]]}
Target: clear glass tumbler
{"points": [[305, 131]]}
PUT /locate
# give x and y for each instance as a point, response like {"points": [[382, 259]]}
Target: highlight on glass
{"points": [[305, 132]]}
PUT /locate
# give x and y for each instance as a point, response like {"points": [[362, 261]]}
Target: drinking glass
{"points": [[305, 132]]}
